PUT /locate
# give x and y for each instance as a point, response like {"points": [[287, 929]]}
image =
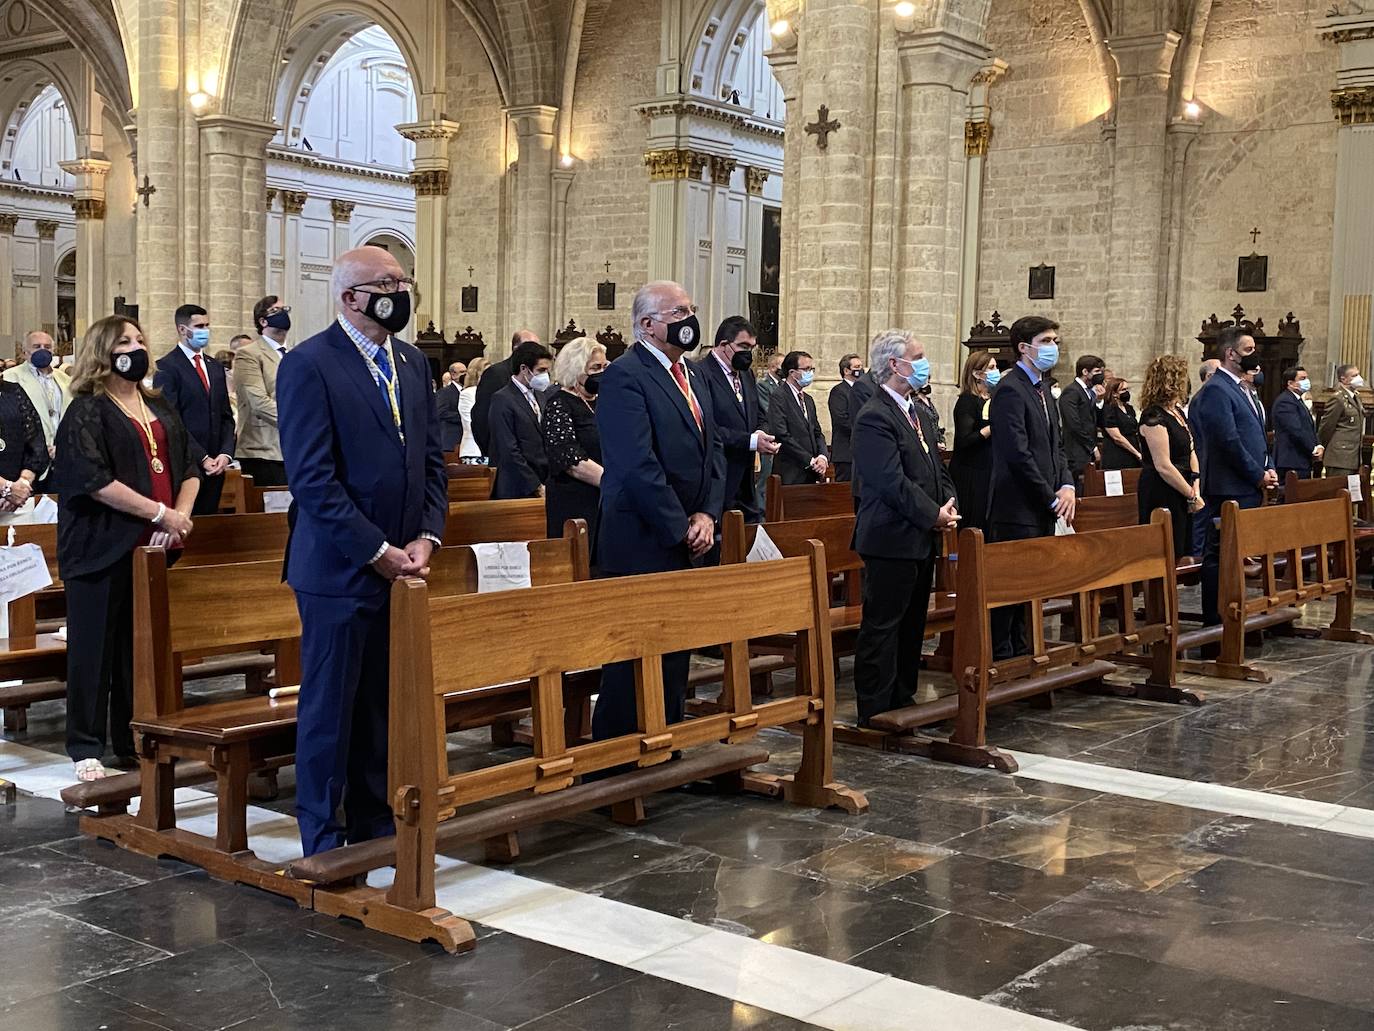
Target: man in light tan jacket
{"points": [[255, 383], [1342, 426]]}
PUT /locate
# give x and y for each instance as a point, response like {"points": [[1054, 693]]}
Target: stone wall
{"points": [[1266, 158]]}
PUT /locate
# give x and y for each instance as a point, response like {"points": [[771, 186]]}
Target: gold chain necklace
{"points": [[143, 420]]}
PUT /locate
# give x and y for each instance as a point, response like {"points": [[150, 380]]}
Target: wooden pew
{"points": [[806, 500], [470, 482], [471, 522], [1091, 568], [1279, 536], [1095, 481], [231, 497], [253, 499], [436, 808], [1319, 489]]}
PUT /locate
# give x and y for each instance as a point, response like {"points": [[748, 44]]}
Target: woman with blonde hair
{"points": [[467, 397], [1169, 469], [126, 476], [970, 467], [571, 440]]}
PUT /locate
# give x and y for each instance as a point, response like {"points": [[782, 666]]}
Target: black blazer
{"points": [[844, 406], [1295, 432], [904, 486], [493, 379], [96, 445], [517, 444], [1028, 467], [799, 435], [21, 430], [1079, 415], [735, 422], [208, 418], [450, 421]]}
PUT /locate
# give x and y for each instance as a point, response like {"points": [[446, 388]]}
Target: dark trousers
{"points": [[616, 713], [207, 499], [887, 654], [1211, 555], [843, 471], [1336, 472], [100, 678], [265, 472], [1202, 522], [341, 721], [1303, 474], [1008, 623]]}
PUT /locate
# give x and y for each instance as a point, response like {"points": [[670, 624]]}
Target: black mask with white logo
{"points": [[131, 365], [685, 333], [390, 311]]}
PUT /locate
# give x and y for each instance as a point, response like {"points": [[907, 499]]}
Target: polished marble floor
{"points": [[1082, 906]]}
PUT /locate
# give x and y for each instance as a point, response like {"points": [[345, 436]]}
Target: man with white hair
{"points": [[663, 478], [48, 391], [906, 500], [360, 438]]}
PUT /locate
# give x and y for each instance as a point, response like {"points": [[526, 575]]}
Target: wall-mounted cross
{"points": [[608, 268], [471, 270], [822, 127], [146, 190], [1254, 236]]}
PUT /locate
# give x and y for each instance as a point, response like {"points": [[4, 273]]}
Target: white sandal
{"points": [[88, 770]]}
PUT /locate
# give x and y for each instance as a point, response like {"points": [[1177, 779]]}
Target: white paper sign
{"points": [[502, 566], [1061, 528], [276, 500], [23, 571], [1112, 477], [1356, 494], [764, 550]]}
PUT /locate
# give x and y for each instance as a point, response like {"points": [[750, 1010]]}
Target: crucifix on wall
{"points": [[469, 302], [605, 292]]}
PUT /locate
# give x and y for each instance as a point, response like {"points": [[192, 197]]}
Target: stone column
{"points": [[977, 136], [235, 247], [342, 210], [711, 295], [89, 206], [293, 203], [558, 272], [161, 103], [8, 222], [1181, 134], [671, 170], [1136, 269], [273, 282], [431, 181], [47, 280], [531, 248], [1351, 335]]}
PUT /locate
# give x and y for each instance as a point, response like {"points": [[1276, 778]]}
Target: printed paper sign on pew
{"points": [[23, 571]]}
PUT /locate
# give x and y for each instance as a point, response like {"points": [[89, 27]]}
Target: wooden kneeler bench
{"points": [[1287, 540], [1086, 567], [783, 597], [1319, 489]]}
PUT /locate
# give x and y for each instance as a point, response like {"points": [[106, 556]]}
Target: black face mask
{"points": [[390, 311], [279, 320], [1098, 379], [592, 383], [1249, 362], [1125, 397], [131, 365], [685, 334], [740, 361]]}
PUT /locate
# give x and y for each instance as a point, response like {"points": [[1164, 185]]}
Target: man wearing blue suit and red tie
{"points": [[663, 484], [360, 438]]}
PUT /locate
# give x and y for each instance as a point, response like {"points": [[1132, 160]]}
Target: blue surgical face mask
{"points": [[920, 373], [1046, 357], [199, 338], [1304, 385], [807, 377], [992, 376]]}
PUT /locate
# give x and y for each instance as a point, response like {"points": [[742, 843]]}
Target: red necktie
{"points": [[681, 377], [204, 380]]}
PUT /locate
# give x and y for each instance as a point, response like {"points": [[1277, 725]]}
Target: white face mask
{"points": [[539, 382], [1357, 382], [1055, 392]]}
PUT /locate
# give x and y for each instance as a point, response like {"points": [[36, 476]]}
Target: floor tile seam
{"points": [[1076, 947], [52, 911]]}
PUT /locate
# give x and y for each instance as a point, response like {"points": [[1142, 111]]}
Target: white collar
{"points": [[1223, 368], [279, 348], [903, 403], [522, 388], [798, 391], [663, 359], [190, 352]]}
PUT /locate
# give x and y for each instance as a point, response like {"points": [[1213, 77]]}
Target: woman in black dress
{"points": [[571, 439], [1121, 444], [1169, 472], [23, 448], [971, 465]]}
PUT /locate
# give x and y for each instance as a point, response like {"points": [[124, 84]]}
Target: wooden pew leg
{"points": [[263, 787], [503, 849], [502, 735], [370, 907], [1345, 634], [230, 764], [17, 719], [156, 810], [8, 793], [629, 813], [979, 756], [1224, 670]]}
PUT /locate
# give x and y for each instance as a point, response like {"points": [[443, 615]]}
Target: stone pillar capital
{"points": [[270, 197], [1151, 53], [430, 182], [754, 178], [1353, 105], [47, 229], [293, 201], [241, 137], [435, 130], [88, 208], [977, 136], [937, 56], [532, 119], [8, 223], [722, 169], [675, 163], [342, 210], [90, 167]]}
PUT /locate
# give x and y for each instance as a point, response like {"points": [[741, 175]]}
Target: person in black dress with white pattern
{"points": [[571, 439], [1169, 470], [23, 448]]}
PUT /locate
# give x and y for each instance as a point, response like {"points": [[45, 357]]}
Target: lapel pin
{"points": [[403, 358]]}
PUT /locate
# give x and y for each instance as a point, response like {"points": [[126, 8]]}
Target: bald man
{"points": [[360, 438], [496, 377]]}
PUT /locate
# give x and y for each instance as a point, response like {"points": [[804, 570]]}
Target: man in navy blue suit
{"points": [[733, 394], [1031, 481], [196, 387], [1231, 446], [663, 485], [1295, 433], [360, 438]]}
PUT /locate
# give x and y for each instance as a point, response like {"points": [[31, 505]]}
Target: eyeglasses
{"points": [[385, 285], [283, 309], [678, 314]]}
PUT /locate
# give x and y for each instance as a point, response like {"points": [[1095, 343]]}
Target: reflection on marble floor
{"points": [[1097, 910]]}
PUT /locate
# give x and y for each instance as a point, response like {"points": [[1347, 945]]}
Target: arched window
{"points": [[39, 137]]}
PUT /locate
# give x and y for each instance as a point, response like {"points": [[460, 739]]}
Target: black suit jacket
{"points": [[1028, 467], [1079, 415], [799, 435], [1295, 433], [493, 379], [208, 419], [450, 421], [735, 422], [844, 406], [864, 388], [517, 444], [904, 485]]}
